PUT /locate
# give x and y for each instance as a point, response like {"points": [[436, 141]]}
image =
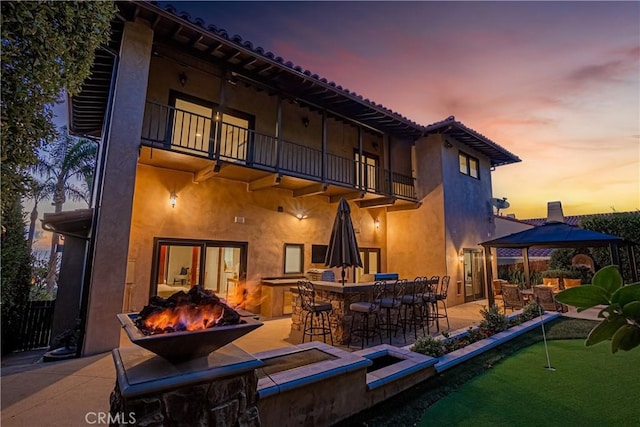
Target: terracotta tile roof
{"points": [[498, 154], [575, 219], [239, 41]]}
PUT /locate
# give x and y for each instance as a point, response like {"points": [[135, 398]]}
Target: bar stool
{"points": [[429, 299], [317, 309], [413, 303], [366, 309], [441, 296], [392, 302]]}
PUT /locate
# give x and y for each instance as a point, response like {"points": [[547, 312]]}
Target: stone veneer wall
{"points": [[340, 316], [222, 402]]}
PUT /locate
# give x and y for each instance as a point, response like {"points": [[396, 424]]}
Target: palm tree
{"points": [[38, 191], [65, 162]]}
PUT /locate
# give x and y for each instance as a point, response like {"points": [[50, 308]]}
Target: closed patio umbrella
{"points": [[343, 247]]}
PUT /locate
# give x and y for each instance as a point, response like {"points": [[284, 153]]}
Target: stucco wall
{"points": [[207, 211], [467, 206], [416, 238]]}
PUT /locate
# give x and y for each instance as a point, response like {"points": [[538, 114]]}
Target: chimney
{"points": [[554, 212]]}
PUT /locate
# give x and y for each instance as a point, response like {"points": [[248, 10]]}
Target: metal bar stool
{"points": [[441, 296], [413, 306], [367, 309], [314, 309], [392, 302], [429, 299]]}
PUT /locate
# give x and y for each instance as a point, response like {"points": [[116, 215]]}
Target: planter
{"points": [[456, 357]]}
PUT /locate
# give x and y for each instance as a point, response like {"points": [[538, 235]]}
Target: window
{"points": [[293, 258], [196, 126], [179, 264], [469, 165], [366, 171], [370, 262]]}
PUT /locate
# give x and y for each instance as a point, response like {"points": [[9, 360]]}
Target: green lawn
{"points": [[590, 387]]}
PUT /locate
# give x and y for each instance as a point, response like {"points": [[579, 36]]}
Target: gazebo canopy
{"points": [[558, 235], [554, 235]]}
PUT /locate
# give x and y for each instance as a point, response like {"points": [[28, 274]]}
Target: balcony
{"points": [[206, 147]]}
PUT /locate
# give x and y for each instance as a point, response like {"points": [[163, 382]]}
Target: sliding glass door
{"points": [[180, 264], [474, 283]]}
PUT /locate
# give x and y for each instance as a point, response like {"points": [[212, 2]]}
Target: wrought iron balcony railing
{"points": [[177, 130]]}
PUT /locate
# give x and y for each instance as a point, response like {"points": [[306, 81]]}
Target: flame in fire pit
{"points": [[185, 318], [193, 311]]}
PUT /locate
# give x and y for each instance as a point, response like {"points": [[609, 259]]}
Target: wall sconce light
{"points": [[183, 78], [376, 223], [447, 143], [461, 257], [301, 216], [173, 198], [305, 121]]}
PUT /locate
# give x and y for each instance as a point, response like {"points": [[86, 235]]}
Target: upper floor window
{"points": [[469, 165], [199, 125]]}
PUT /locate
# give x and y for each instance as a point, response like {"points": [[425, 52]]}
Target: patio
{"points": [[76, 392]]}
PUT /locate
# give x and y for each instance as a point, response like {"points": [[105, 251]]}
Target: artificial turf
{"points": [[589, 387]]}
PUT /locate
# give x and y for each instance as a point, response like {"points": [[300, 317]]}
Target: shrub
{"points": [[530, 311], [493, 321], [429, 346], [621, 314]]}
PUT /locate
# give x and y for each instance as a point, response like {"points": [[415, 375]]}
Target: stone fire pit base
{"points": [[219, 389]]}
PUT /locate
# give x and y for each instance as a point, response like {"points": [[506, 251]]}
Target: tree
{"points": [[46, 46], [16, 272], [62, 163], [37, 191], [621, 314], [625, 225]]}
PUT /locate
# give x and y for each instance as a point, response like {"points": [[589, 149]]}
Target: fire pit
{"points": [[186, 325]]}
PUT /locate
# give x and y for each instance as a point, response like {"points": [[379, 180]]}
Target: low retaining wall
{"points": [[325, 392]]}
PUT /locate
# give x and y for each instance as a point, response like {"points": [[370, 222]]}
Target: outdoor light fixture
{"points": [[377, 223], [183, 78], [172, 199], [305, 121], [301, 216], [461, 256]]}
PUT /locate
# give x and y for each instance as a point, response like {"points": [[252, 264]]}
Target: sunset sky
{"points": [[556, 83]]}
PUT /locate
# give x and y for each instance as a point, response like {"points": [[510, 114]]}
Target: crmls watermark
{"points": [[119, 418]]}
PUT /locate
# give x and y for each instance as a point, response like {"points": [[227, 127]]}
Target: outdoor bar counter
{"points": [[340, 296]]}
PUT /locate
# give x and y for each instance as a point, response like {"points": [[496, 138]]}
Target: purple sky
{"points": [[557, 83]]}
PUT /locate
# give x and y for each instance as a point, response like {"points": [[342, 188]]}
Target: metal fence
{"points": [[35, 327]]}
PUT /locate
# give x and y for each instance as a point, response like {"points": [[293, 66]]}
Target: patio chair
{"points": [[511, 297], [553, 282], [544, 297], [571, 283], [318, 309], [366, 309]]}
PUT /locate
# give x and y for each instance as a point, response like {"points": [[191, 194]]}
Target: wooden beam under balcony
{"points": [[376, 203], [405, 207], [206, 173], [348, 196], [311, 190], [265, 182]]}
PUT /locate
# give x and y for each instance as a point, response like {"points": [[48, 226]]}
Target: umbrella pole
{"points": [[343, 275]]}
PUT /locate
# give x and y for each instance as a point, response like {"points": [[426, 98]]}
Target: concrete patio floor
{"points": [[74, 392]]}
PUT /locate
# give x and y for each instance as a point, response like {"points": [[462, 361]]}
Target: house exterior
{"points": [[220, 161]]}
